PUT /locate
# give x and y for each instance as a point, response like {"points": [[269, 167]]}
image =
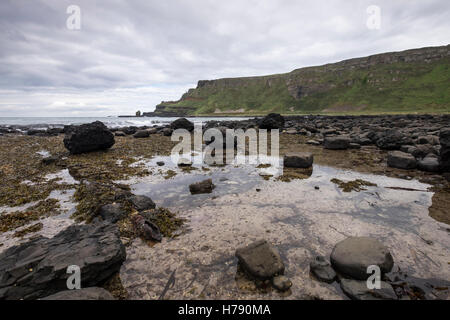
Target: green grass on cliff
{"points": [[421, 87]]}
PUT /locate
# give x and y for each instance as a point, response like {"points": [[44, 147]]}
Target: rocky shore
{"points": [[109, 228]]}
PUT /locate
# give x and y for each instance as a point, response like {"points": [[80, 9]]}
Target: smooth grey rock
{"points": [[141, 203], [401, 160], [354, 255], [357, 290], [336, 143], [37, 268], [261, 260], [119, 134], [429, 164], [281, 283], [88, 137], [322, 270], [298, 160], [141, 134], [205, 186], [93, 293], [112, 212]]}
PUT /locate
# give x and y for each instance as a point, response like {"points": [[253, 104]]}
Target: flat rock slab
{"points": [[401, 160], [298, 160], [337, 143], [322, 270], [38, 268], [93, 293], [358, 290], [354, 255], [261, 260]]}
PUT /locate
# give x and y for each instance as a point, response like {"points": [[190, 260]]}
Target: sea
{"points": [[111, 122]]}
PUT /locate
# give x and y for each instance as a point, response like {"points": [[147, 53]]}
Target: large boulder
{"points": [[337, 143], [392, 140], [88, 137], [298, 160], [354, 255], [272, 121], [38, 268], [93, 293], [357, 290], [182, 123], [401, 160], [261, 260]]}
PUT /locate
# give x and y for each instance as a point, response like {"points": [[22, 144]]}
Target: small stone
{"points": [[205, 186], [322, 270], [261, 260], [298, 160], [281, 283], [358, 290], [160, 163]]}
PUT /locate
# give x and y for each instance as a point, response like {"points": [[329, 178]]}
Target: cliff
{"points": [[409, 81]]}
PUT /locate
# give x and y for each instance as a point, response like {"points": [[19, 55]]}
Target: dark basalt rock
{"points": [[112, 212], [298, 160], [93, 293], [142, 134], [38, 268], [392, 140], [272, 121], [357, 290], [88, 137], [337, 143], [141, 203], [401, 160], [261, 260], [444, 139], [182, 123], [205, 186]]}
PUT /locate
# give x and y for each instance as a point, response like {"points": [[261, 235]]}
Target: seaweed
{"points": [[354, 185]]}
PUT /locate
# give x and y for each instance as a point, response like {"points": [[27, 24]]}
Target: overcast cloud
{"points": [[130, 55]]}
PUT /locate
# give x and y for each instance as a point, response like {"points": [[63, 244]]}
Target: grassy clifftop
{"points": [[409, 81]]}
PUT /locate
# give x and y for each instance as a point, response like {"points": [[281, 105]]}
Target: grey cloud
{"points": [[172, 44]]}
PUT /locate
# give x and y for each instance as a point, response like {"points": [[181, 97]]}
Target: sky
{"points": [[113, 57]]}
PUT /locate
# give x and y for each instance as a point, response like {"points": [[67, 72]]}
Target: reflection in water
{"points": [[301, 218]]}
